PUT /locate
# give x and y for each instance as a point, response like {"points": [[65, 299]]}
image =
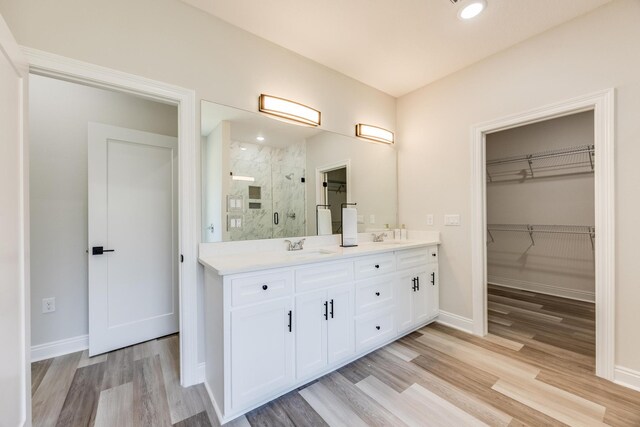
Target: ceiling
{"points": [[246, 126], [395, 46]]}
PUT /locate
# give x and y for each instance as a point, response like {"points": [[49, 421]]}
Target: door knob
{"points": [[99, 250], [378, 327], [377, 265], [264, 287], [377, 294]]}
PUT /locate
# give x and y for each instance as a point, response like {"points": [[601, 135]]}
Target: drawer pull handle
{"points": [[331, 312], [418, 283], [265, 287], [378, 327], [326, 310], [434, 254], [377, 294], [377, 265], [414, 284], [433, 278], [290, 315]]}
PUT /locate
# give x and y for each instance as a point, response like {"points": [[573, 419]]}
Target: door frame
{"points": [[56, 66], [602, 104], [321, 170]]}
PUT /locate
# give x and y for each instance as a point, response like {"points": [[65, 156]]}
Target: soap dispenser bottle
{"points": [[403, 233]]}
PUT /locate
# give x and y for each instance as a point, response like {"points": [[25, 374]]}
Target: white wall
{"points": [[560, 264], [373, 177], [59, 112], [169, 41], [593, 52]]}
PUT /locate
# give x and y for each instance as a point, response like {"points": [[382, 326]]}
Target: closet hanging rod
{"points": [[560, 153], [540, 231], [546, 229]]}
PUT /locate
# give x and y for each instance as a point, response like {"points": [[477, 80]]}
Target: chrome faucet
{"points": [[295, 246], [379, 237]]}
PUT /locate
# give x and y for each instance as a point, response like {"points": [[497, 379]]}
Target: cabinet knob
{"points": [[377, 294], [265, 287], [378, 327], [377, 265]]}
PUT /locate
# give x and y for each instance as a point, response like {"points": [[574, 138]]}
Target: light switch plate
{"points": [[430, 219], [372, 219], [452, 219]]}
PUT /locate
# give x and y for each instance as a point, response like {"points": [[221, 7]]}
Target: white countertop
{"points": [[252, 261]]}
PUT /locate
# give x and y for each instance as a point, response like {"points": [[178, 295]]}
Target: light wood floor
{"points": [[535, 368]]}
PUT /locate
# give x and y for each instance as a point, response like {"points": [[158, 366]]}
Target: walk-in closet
{"points": [[541, 234]]}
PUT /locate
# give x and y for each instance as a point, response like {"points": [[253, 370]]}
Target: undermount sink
{"points": [[308, 253], [390, 242]]}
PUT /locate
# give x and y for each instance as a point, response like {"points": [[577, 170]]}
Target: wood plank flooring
{"points": [[535, 368]]}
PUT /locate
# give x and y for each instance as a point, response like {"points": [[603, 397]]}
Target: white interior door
{"points": [[14, 375], [133, 237]]}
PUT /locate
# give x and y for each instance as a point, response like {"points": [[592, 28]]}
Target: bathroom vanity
{"points": [[275, 320]]}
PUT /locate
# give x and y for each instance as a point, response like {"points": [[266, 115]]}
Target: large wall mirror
{"points": [[263, 178]]}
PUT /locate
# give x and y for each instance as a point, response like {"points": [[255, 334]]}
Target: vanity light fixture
{"points": [[470, 8], [374, 133], [288, 110]]}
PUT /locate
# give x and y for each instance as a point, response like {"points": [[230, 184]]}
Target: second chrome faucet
{"points": [[295, 246]]}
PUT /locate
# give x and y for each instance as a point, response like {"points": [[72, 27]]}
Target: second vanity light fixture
{"points": [[374, 133], [289, 110]]}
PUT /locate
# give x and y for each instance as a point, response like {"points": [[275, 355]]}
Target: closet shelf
{"points": [[577, 159], [532, 229]]}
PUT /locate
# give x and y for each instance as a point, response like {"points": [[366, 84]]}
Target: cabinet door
{"points": [[311, 333], [404, 300], [261, 351], [433, 291], [421, 297], [341, 343]]}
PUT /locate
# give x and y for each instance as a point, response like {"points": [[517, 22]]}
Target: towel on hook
{"points": [[324, 222]]}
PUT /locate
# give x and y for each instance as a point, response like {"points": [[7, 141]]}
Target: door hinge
{"points": [[181, 258]]}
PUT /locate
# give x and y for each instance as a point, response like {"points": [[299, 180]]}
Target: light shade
{"points": [[243, 178], [471, 8], [374, 133], [289, 110]]}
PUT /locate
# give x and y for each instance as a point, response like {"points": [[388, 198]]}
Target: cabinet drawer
{"points": [[375, 265], [412, 258], [261, 287], [374, 294], [323, 275], [374, 328]]}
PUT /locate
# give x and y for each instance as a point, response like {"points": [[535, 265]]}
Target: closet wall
{"points": [[560, 193]]}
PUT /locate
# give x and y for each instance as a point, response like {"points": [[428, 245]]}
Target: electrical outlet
{"points": [[372, 219], [430, 219], [360, 219], [452, 219], [48, 305]]}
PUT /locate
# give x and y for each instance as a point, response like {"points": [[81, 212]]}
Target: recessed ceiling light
{"points": [[471, 8], [260, 138]]}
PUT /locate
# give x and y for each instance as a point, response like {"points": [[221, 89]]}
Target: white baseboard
{"points": [[627, 377], [202, 373], [59, 348], [542, 288], [455, 321]]}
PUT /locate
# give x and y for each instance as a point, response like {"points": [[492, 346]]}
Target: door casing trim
{"points": [[57, 66]]}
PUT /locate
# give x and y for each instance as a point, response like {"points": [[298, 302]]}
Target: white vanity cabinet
{"points": [[269, 331]]}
